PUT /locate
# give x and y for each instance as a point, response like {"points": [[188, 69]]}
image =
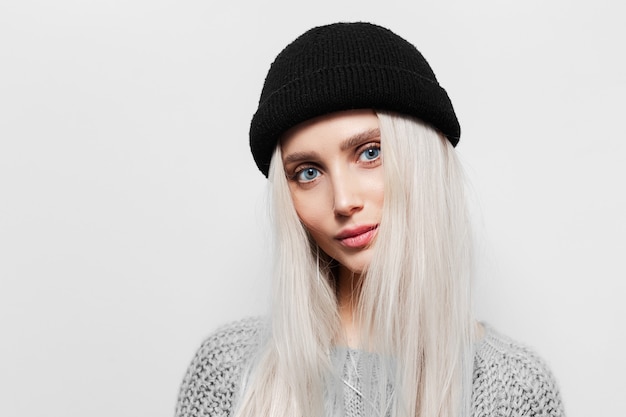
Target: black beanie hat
{"points": [[346, 66]]}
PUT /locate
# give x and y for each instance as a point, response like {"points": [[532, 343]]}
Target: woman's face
{"points": [[334, 169]]}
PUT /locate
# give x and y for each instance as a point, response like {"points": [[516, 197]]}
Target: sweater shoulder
{"points": [[510, 378], [231, 342], [211, 380]]}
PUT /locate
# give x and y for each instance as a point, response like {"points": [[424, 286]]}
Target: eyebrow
{"points": [[359, 138], [350, 142]]}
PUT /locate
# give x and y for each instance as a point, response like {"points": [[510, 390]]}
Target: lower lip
{"points": [[359, 241]]}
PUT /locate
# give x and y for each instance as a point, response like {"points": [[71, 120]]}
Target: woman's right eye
{"points": [[307, 174]]}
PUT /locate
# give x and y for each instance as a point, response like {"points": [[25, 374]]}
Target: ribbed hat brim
{"points": [[345, 88]]}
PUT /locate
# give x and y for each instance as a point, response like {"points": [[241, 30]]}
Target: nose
{"points": [[347, 199]]}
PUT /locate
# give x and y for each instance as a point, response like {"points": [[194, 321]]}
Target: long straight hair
{"points": [[414, 300]]}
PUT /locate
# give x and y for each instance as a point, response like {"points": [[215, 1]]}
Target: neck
{"points": [[348, 288]]}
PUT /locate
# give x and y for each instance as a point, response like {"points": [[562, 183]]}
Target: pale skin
{"points": [[334, 168]]}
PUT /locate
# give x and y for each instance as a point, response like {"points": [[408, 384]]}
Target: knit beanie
{"points": [[346, 66]]}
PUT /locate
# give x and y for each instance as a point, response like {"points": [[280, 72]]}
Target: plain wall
{"points": [[133, 220]]}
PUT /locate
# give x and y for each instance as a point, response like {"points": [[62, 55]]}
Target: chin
{"points": [[356, 266]]}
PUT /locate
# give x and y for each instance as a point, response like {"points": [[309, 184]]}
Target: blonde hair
{"points": [[414, 305]]}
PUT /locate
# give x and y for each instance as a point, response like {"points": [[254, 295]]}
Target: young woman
{"points": [[371, 311]]}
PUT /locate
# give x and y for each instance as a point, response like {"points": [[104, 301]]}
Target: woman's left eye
{"points": [[370, 154]]}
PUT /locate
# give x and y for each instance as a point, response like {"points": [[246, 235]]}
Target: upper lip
{"points": [[355, 231]]}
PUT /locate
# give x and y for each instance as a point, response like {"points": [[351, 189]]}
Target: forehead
{"points": [[331, 127]]}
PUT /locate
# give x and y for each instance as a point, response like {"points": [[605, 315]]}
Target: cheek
{"points": [[377, 189], [310, 215], [310, 208], [380, 196]]}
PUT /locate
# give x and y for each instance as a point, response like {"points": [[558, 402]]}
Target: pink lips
{"points": [[357, 237]]}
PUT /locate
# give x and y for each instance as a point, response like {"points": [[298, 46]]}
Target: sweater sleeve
{"points": [[210, 383], [512, 380]]}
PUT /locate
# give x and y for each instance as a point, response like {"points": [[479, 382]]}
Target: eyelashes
{"points": [[365, 155], [370, 154], [306, 174]]}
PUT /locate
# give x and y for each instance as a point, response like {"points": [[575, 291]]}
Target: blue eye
{"points": [[307, 174], [370, 154]]}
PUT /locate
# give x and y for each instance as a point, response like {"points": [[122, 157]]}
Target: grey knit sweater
{"points": [[509, 379]]}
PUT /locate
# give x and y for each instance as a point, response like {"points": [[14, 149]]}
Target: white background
{"points": [[133, 220]]}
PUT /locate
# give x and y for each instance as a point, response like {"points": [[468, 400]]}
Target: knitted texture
{"points": [[509, 379], [346, 66], [211, 380]]}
